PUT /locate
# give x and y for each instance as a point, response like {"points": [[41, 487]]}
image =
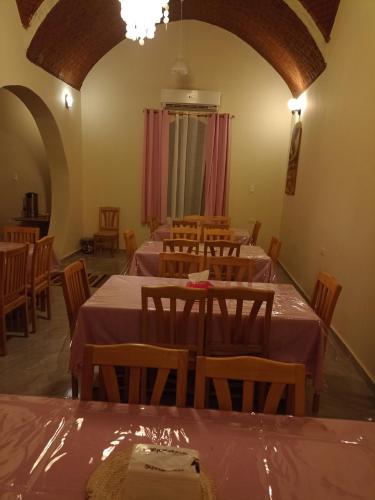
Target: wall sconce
{"points": [[68, 99], [294, 106], [297, 106]]}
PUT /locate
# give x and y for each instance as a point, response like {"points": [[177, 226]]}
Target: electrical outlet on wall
{"points": [[252, 188], [15, 176]]}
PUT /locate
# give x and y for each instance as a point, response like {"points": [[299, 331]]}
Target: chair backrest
{"points": [[21, 234], [274, 249], [109, 218], [41, 261], [249, 370], [217, 234], [13, 275], [222, 248], [179, 265], [220, 219], [324, 299], [254, 235], [174, 316], [212, 225], [76, 290], [153, 224], [184, 223], [136, 357], [233, 322], [228, 268], [185, 233], [197, 218], [187, 246], [130, 242]]}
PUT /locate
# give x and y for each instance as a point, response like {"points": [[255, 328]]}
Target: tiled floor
{"points": [[38, 365]]}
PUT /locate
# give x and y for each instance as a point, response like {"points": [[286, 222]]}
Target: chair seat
{"points": [[106, 234]]}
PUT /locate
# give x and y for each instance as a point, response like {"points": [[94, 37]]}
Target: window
{"points": [[186, 165]]}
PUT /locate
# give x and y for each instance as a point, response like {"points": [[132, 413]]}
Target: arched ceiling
{"points": [[323, 12], [75, 34]]}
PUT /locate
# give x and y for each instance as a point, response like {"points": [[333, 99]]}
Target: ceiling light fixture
{"points": [[180, 68], [141, 16]]}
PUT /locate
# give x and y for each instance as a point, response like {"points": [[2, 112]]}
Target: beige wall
{"points": [[329, 224], [129, 78], [60, 128], [23, 161]]}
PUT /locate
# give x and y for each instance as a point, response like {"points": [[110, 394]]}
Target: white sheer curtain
{"points": [[186, 165]]}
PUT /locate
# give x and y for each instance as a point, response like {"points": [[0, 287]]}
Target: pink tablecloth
{"points": [[113, 316], [145, 261], [49, 448], [163, 232]]}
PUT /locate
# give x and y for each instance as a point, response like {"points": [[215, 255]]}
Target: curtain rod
{"points": [[194, 113]]}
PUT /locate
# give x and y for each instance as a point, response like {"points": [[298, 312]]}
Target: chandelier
{"points": [[141, 16]]}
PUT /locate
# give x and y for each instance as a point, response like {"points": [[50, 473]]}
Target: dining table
{"points": [[163, 232], [145, 261], [51, 447], [112, 315]]}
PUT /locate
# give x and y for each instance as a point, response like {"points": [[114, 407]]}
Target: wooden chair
{"points": [[153, 224], [237, 328], [249, 370], [136, 357], [185, 233], [254, 235], [76, 292], [39, 279], [217, 234], [21, 234], [186, 246], [130, 243], [171, 320], [222, 248], [324, 299], [274, 249], [109, 219], [179, 265], [13, 288], [184, 223], [229, 268]]}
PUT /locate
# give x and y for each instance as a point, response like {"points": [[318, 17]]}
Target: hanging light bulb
{"points": [[141, 16], [180, 67]]}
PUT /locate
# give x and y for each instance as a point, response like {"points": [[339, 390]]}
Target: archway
{"points": [[55, 153]]}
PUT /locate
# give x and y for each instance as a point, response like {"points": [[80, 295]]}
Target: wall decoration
{"points": [[295, 143]]}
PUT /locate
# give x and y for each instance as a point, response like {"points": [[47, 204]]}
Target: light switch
{"points": [[15, 176], [252, 188]]}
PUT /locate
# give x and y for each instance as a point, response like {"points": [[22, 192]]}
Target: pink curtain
{"points": [[155, 165], [217, 164]]}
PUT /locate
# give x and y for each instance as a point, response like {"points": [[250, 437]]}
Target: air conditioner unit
{"points": [[192, 100]]}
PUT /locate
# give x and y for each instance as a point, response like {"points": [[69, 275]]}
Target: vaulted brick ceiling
{"points": [[77, 33]]}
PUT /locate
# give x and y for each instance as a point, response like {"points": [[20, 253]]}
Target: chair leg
{"points": [[33, 312], [48, 299], [316, 402], [26, 319], [74, 387], [3, 349]]}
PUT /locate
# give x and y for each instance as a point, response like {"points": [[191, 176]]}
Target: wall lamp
{"points": [[294, 106], [297, 106], [68, 99]]}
